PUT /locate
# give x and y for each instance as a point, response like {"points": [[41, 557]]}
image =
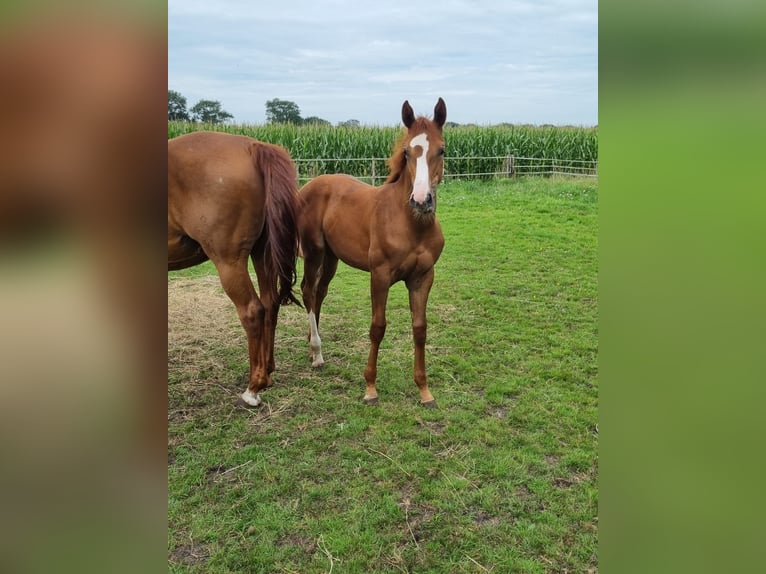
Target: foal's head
{"points": [[421, 157]]}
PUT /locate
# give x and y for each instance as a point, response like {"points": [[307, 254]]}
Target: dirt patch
{"points": [[303, 543], [417, 516], [190, 554], [483, 518], [219, 473], [571, 480], [199, 315], [435, 428], [552, 459]]}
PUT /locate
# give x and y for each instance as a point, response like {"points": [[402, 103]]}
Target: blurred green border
{"points": [[21, 12], [682, 264]]}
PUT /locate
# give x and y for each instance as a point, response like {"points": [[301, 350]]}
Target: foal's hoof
{"points": [[371, 401], [430, 404]]}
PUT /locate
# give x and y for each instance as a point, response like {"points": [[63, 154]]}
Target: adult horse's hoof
{"points": [[430, 404], [248, 400], [371, 401]]}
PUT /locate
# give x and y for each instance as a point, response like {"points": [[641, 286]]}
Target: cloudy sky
{"points": [[492, 61]]}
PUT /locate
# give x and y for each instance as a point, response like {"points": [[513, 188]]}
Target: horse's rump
{"points": [[228, 193]]}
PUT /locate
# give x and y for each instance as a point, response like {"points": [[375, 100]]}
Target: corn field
{"points": [[472, 151]]}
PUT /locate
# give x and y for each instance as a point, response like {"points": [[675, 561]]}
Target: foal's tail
{"points": [[281, 229]]}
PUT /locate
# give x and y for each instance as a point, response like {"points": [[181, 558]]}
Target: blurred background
{"points": [[82, 298], [682, 214]]}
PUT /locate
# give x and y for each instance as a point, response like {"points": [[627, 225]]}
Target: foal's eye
{"points": [[441, 151], [406, 153]]}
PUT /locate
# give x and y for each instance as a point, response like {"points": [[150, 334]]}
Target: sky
{"points": [[493, 61]]}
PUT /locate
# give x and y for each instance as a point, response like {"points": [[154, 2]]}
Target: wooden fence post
{"points": [[509, 168]]}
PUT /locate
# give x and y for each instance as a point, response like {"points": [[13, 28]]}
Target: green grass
{"points": [[502, 477]]}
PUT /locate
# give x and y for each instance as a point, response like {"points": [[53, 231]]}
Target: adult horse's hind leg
{"points": [[418, 289], [270, 304], [238, 286]]}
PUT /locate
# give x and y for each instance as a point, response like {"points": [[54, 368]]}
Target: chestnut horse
{"points": [[390, 231], [231, 198]]}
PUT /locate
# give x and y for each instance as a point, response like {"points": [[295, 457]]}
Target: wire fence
{"points": [[375, 171]]}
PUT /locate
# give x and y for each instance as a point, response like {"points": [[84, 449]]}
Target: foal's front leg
{"points": [[418, 289], [379, 286]]}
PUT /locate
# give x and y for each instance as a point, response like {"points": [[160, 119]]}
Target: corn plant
{"points": [[472, 151]]}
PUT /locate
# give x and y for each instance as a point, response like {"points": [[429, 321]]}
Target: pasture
{"points": [[502, 477]]}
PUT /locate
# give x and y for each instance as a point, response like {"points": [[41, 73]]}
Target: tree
{"points": [[209, 111], [177, 106], [282, 112], [349, 124], [314, 120]]}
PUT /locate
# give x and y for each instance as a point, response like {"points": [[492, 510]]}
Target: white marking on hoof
{"points": [[315, 342], [251, 398]]}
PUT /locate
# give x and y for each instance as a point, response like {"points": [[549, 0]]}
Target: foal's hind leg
{"points": [[312, 260], [238, 286], [329, 267], [318, 270]]}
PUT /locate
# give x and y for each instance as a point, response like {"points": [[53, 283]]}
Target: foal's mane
{"points": [[397, 162]]}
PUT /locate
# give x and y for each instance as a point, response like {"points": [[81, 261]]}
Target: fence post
{"points": [[374, 183], [509, 169]]}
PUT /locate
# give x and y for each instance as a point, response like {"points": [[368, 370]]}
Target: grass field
{"points": [[501, 478]]}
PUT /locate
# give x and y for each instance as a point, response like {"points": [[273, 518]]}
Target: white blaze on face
{"points": [[422, 178]]}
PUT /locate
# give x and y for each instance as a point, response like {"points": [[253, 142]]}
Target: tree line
{"points": [[205, 111], [210, 111]]}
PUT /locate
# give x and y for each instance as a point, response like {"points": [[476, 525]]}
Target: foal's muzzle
{"points": [[427, 206]]}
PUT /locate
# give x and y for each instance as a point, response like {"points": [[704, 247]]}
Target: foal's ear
{"points": [[440, 113], [408, 116]]}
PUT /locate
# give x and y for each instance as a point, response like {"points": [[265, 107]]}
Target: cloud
{"points": [[489, 57]]}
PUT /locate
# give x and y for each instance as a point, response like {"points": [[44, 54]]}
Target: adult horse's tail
{"points": [[280, 229]]}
